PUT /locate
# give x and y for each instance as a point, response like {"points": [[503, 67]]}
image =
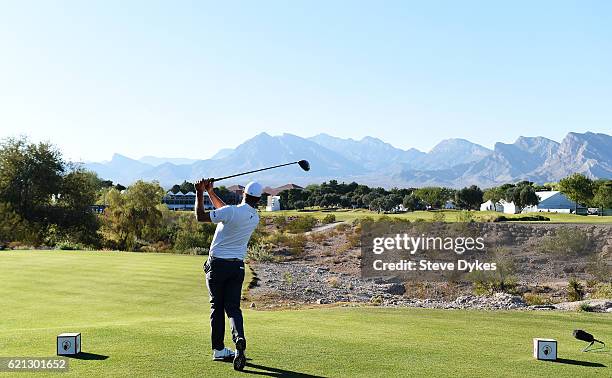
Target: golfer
{"points": [[225, 265]]}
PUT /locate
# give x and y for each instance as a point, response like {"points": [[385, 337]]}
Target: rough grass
{"points": [[448, 215], [149, 314]]}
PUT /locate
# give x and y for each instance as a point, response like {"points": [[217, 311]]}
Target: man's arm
{"points": [[214, 198], [200, 213]]}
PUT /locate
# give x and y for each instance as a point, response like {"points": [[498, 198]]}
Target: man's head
{"points": [[252, 193]]}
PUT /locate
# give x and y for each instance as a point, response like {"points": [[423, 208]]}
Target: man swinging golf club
{"points": [[225, 265]]}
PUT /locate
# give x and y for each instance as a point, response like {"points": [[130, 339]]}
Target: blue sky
{"points": [[184, 79]]}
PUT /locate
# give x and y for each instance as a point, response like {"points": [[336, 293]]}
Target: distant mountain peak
{"points": [[453, 162]]}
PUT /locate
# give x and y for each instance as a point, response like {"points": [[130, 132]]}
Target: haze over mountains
{"points": [[452, 162]]}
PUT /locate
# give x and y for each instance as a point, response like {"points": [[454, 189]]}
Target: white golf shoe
{"points": [[223, 354]]}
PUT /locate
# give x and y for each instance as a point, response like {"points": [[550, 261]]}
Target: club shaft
{"points": [[257, 170]]}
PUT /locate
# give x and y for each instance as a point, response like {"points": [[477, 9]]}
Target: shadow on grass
{"points": [[579, 363], [89, 356], [272, 372], [275, 372]]}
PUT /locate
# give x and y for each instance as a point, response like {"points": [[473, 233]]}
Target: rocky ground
{"points": [[299, 283], [328, 272]]}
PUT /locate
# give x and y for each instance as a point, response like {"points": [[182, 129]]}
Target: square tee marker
{"points": [[545, 349], [68, 344]]}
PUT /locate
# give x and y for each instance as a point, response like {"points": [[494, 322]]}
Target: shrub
{"points": [[521, 218], [334, 282], [288, 278], [318, 237], [329, 218], [258, 252], [296, 244], [188, 233], [69, 246], [493, 285], [602, 291], [465, 217], [277, 239], [565, 242], [575, 291], [599, 268], [279, 221], [342, 227], [354, 239], [376, 300], [438, 216], [159, 246], [301, 224], [533, 299], [586, 307], [198, 251]]}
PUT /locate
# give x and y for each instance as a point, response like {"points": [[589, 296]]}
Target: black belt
{"points": [[220, 258]]}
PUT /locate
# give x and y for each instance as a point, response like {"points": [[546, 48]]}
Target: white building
{"points": [[508, 207], [273, 203], [550, 201], [490, 206], [449, 204]]}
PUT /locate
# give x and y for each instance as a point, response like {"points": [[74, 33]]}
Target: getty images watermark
{"points": [[475, 251], [420, 245]]}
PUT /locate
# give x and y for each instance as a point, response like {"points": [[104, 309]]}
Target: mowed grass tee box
{"points": [[147, 314]]}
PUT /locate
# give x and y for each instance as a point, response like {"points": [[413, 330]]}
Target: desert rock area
{"points": [[326, 271]]}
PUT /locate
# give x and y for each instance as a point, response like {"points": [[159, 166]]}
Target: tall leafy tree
{"points": [[30, 175], [187, 187], [602, 194], [433, 196], [522, 194], [134, 214], [578, 188], [469, 197]]}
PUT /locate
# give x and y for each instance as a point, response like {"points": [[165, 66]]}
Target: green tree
{"points": [[52, 196], [134, 214], [496, 193], [603, 194], [522, 194], [30, 174], [469, 198], [578, 188], [187, 187], [433, 196], [71, 210], [411, 202], [11, 225]]}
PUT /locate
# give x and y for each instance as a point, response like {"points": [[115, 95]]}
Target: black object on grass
{"points": [[585, 336]]}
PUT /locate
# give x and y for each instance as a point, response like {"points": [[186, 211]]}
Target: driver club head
{"points": [[305, 165]]}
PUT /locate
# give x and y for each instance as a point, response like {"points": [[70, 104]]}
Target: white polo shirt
{"points": [[235, 224]]}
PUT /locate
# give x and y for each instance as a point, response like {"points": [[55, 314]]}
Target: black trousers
{"points": [[224, 281]]}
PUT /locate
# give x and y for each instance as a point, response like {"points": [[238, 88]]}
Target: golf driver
{"points": [[302, 163]]}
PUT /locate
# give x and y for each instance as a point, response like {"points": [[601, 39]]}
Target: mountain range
{"points": [[452, 162]]}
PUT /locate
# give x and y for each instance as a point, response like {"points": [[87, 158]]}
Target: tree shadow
{"points": [[579, 363], [88, 356]]}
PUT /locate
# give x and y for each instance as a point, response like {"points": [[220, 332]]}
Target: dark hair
{"points": [[251, 200]]}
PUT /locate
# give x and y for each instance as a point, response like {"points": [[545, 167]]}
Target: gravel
{"points": [[298, 282]]}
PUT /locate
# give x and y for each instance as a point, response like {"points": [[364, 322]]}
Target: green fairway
{"points": [[148, 313], [449, 215]]}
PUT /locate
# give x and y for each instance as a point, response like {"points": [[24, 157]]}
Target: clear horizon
{"points": [[186, 80]]}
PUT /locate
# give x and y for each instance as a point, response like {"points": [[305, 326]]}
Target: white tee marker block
{"points": [[545, 349], [68, 344]]}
